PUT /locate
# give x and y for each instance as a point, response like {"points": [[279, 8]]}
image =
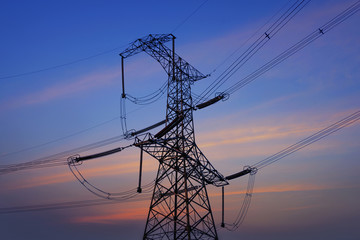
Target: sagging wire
{"points": [[123, 121], [150, 98], [287, 151], [58, 139], [248, 39], [335, 21], [73, 164], [59, 159], [5, 169], [352, 118], [145, 100], [295, 48], [254, 48], [246, 202], [67, 204]]}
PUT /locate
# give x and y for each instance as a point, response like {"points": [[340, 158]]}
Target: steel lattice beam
{"points": [[180, 207]]}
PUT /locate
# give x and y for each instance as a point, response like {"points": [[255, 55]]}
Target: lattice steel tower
{"points": [[180, 207]]}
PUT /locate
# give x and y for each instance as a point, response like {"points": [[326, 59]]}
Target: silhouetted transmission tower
{"points": [[180, 207]]}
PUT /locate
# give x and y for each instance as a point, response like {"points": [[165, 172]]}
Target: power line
{"points": [[276, 26], [347, 121], [73, 204], [148, 99], [244, 207], [180, 201], [122, 116], [189, 16], [61, 65], [341, 17], [352, 118], [126, 196], [354, 8], [59, 139], [94, 55], [248, 39], [58, 159], [252, 170]]}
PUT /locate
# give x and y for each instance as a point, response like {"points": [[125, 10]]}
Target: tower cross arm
{"points": [[198, 166], [154, 45]]}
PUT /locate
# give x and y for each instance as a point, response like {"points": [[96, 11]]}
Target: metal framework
{"points": [[180, 207]]}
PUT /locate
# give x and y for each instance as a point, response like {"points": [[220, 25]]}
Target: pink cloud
{"points": [[96, 171], [81, 84], [307, 21], [280, 188], [275, 133], [132, 213]]}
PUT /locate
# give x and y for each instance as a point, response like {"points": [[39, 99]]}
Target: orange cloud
{"points": [[235, 142], [124, 214], [283, 188], [107, 170], [300, 208], [238, 140], [253, 134], [226, 138]]}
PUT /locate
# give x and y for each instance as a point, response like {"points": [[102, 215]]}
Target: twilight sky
{"points": [[312, 194]]}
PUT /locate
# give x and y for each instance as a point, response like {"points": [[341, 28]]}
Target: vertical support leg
{"points": [[140, 170], [222, 207]]}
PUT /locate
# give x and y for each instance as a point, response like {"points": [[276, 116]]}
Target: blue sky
{"points": [[311, 194]]}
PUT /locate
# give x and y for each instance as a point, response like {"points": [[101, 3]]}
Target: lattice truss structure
{"points": [[180, 207]]}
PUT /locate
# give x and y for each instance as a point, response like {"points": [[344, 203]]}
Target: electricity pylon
{"points": [[180, 207]]}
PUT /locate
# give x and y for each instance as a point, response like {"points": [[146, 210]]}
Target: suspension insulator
{"points": [[239, 174], [148, 128], [166, 129], [98, 155], [210, 102]]}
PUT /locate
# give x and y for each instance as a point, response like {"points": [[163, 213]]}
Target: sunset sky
{"points": [[61, 87]]}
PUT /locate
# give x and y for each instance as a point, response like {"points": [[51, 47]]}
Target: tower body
{"points": [[180, 207]]}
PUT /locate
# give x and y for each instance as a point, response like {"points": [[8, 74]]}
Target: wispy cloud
{"points": [[106, 170], [313, 16], [281, 188], [123, 214], [78, 85], [90, 82], [237, 142], [274, 133], [238, 139], [253, 134]]}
